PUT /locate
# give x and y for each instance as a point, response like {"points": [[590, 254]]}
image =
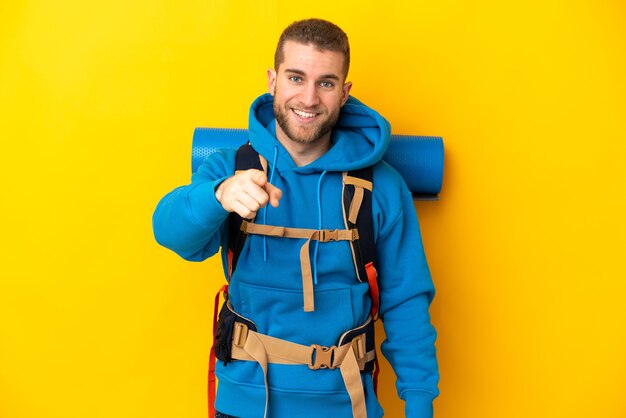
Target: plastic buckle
{"points": [[240, 334], [330, 235], [358, 346], [322, 357]]}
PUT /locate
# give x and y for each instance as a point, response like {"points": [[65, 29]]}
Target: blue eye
{"points": [[295, 78], [326, 84]]}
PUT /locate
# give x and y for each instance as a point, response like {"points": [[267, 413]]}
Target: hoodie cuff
{"points": [[205, 209], [419, 404]]}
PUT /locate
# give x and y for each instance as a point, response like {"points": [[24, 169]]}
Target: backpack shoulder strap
{"points": [[357, 209], [247, 158]]}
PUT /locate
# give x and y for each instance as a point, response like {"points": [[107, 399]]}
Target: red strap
{"points": [[212, 359], [372, 280], [230, 263]]}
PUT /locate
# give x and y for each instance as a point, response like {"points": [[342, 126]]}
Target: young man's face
{"points": [[309, 90]]}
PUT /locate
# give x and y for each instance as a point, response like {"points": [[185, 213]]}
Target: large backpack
{"points": [[358, 219]]}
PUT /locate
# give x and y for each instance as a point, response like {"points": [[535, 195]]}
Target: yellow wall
{"points": [[98, 103]]}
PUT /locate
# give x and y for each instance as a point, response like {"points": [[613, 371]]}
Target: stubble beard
{"points": [[304, 136]]}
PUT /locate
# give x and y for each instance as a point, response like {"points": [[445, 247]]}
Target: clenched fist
{"points": [[246, 192]]}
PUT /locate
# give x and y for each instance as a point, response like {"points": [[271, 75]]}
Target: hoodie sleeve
{"points": [[406, 291], [189, 220]]}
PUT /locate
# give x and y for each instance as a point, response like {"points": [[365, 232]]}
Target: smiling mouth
{"points": [[304, 115]]}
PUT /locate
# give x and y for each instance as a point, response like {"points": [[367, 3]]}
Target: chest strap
{"points": [[351, 358], [321, 235]]}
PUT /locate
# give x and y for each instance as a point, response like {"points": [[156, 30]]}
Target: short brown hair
{"points": [[321, 33]]}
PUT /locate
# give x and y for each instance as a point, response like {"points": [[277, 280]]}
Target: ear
{"points": [[271, 81], [346, 92]]}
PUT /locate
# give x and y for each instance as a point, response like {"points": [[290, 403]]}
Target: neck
{"points": [[303, 154]]}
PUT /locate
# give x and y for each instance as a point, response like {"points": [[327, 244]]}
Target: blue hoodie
{"points": [[267, 286]]}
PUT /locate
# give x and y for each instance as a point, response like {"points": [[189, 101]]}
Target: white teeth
{"points": [[303, 114]]}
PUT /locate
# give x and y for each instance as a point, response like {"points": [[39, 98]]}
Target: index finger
{"points": [[258, 177]]}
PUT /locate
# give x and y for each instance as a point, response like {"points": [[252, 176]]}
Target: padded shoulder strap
{"points": [[247, 158], [357, 208], [357, 203]]}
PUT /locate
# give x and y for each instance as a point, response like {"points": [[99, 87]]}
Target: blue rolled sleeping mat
{"points": [[419, 159]]}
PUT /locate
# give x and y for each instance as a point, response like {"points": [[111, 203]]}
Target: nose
{"points": [[309, 95]]}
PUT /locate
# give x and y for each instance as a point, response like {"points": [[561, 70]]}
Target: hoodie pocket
{"points": [[279, 313]]}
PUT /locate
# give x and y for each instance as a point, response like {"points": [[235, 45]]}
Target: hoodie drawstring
{"points": [[272, 171], [319, 224]]}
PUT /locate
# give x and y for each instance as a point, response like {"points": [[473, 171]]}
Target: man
{"points": [[294, 290]]}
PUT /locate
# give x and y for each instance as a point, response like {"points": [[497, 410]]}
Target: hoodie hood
{"points": [[359, 139]]}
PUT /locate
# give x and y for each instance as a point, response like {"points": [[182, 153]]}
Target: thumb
{"points": [[274, 193]]}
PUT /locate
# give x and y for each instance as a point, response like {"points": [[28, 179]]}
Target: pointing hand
{"points": [[246, 192]]}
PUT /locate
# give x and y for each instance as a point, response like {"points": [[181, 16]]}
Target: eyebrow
{"points": [[300, 72]]}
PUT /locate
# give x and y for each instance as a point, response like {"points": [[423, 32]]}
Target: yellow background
{"points": [[526, 246]]}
